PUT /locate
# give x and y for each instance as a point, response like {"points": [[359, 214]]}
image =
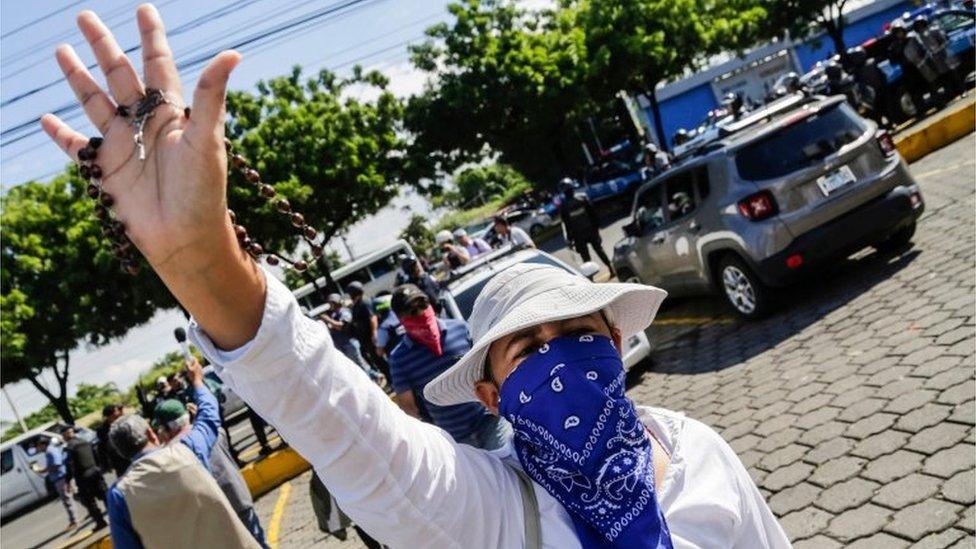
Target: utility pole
{"points": [[23, 426]]}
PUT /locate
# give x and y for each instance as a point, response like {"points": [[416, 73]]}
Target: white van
{"points": [[376, 271], [20, 486]]}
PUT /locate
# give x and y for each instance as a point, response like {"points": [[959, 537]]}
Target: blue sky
{"points": [[373, 34]]}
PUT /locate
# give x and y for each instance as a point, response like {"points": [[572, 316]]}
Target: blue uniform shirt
{"points": [[200, 440], [413, 366], [55, 458]]}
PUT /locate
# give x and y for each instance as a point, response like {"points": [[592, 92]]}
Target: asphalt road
{"points": [[852, 407]]}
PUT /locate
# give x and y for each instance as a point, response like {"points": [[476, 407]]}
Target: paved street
{"points": [[852, 407]]}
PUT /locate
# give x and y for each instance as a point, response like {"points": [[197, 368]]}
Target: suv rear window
{"points": [[799, 145]]}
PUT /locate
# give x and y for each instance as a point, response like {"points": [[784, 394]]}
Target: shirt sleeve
{"points": [[398, 377], [405, 482], [382, 336], [120, 523], [203, 435]]}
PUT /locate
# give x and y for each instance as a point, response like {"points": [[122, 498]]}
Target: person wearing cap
{"points": [[474, 246], [507, 235], [454, 256], [108, 458], [390, 331], [656, 161], [365, 325], [414, 273], [430, 347], [339, 320], [937, 45], [168, 497], [545, 354], [908, 50], [581, 226], [56, 473]]}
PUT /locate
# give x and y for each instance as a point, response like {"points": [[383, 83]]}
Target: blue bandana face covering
{"points": [[578, 436]]}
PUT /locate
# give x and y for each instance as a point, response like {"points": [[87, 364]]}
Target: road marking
{"points": [[945, 169], [76, 538], [279, 512], [692, 321]]}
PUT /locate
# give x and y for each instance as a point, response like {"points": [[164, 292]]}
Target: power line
{"points": [[188, 26], [39, 19], [196, 61]]}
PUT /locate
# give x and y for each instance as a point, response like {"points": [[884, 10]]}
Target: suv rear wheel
{"points": [[742, 288]]}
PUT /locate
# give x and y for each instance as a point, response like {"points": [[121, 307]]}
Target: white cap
{"points": [[529, 294], [459, 232], [443, 236]]}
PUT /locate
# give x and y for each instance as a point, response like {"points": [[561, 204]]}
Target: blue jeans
{"points": [[250, 520], [353, 352]]}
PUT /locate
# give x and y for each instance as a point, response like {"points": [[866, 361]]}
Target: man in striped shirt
{"points": [[430, 346]]}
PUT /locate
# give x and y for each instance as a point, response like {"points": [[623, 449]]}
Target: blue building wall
{"points": [[689, 108]]}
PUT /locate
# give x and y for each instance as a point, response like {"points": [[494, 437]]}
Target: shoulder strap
{"points": [[530, 511]]}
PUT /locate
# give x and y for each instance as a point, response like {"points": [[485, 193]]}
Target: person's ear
{"points": [[487, 393], [615, 335], [152, 436]]}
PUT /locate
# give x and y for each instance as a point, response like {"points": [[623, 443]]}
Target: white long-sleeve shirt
{"points": [[410, 485]]}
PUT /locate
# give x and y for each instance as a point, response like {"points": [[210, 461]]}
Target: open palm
{"points": [[172, 203]]}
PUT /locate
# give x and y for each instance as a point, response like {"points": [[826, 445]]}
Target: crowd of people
{"points": [[178, 461]]}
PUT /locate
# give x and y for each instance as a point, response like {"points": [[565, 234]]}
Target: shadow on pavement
{"points": [[713, 346]]}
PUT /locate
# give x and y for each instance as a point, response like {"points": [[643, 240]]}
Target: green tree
{"points": [[637, 44], [418, 235], [335, 158], [477, 185], [502, 80], [802, 18], [60, 285]]}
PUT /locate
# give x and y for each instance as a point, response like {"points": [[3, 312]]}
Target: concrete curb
{"points": [[933, 135]]}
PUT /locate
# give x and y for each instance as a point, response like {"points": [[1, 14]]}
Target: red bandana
{"points": [[423, 329]]}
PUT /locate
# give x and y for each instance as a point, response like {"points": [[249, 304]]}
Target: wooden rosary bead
{"points": [[101, 212], [240, 231], [228, 144], [300, 266], [271, 260], [255, 249], [95, 142], [96, 171], [86, 153], [122, 111], [298, 220], [186, 112], [310, 233], [132, 267], [252, 175], [283, 205], [316, 251], [85, 172], [92, 191], [267, 191], [238, 162], [106, 200], [233, 216]]}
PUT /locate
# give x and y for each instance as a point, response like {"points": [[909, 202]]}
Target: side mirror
{"points": [[632, 229], [589, 269]]}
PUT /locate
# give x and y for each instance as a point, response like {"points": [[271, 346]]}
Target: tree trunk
{"points": [[60, 402], [656, 111]]}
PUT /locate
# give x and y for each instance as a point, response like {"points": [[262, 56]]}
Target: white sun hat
{"points": [[443, 236], [528, 294]]}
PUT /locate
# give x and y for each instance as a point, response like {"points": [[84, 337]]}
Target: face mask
{"points": [[423, 329], [579, 437]]}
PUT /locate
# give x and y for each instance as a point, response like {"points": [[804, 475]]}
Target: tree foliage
{"points": [[418, 235], [88, 398], [477, 185], [503, 81], [802, 18], [60, 285], [336, 158]]}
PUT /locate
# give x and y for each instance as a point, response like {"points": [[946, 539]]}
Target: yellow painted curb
{"points": [[938, 133], [277, 467]]}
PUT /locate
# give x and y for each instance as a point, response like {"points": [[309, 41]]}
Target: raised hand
{"points": [[172, 203]]}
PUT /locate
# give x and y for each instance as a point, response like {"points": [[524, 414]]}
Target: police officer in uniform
{"points": [[580, 223]]}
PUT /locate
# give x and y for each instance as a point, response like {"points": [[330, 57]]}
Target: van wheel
{"points": [[747, 295], [898, 240]]}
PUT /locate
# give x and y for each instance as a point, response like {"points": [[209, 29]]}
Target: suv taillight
{"points": [[758, 206], [886, 143]]}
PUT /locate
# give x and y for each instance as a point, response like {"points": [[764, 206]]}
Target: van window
{"points": [[701, 178], [650, 212], [799, 145], [6, 461], [383, 266], [680, 195]]}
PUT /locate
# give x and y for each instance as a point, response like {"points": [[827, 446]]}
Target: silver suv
{"points": [[758, 208]]}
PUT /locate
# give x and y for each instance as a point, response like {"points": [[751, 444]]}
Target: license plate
{"points": [[835, 180]]}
